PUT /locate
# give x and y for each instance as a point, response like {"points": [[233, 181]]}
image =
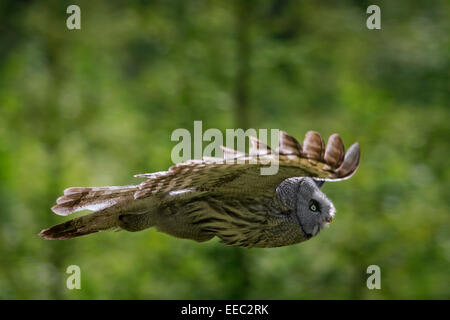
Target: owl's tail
{"points": [[107, 202], [91, 223]]}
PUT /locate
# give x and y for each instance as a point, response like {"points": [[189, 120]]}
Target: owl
{"points": [[216, 197]]}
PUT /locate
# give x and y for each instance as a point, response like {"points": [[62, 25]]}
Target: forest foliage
{"points": [[95, 106]]}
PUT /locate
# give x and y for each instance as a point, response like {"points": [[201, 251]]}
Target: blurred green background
{"points": [[92, 107]]}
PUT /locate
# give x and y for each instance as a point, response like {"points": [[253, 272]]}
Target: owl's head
{"points": [[313, 209]]}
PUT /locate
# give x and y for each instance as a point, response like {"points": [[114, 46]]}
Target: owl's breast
{"points": [[253, 222], [238, 220]]}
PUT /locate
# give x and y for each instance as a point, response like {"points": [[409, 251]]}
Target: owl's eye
{"points": [[314, 206]]}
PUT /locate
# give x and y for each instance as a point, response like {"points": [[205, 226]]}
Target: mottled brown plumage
{"points": [[225, 197]]}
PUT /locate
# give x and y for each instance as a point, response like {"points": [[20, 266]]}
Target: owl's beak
{"points": [[330, 219]]}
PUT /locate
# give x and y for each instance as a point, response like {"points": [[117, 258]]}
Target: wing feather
{"points": [[313, 146], [258, 147], [335, 151], [240, 173], [287, 144]]}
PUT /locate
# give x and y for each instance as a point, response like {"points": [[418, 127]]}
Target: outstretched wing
{"points": [[240, 173]]}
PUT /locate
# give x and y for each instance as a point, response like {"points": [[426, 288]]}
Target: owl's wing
{"points": [[240, 173]]}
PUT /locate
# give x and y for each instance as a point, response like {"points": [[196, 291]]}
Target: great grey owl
{"points": [[200, 199]]}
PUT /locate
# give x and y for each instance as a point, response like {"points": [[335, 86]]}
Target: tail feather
{"points": [[108, 203], [77, 199], [91, 223]]}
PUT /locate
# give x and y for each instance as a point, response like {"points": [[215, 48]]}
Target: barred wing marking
{"points": [[240, 173]]}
